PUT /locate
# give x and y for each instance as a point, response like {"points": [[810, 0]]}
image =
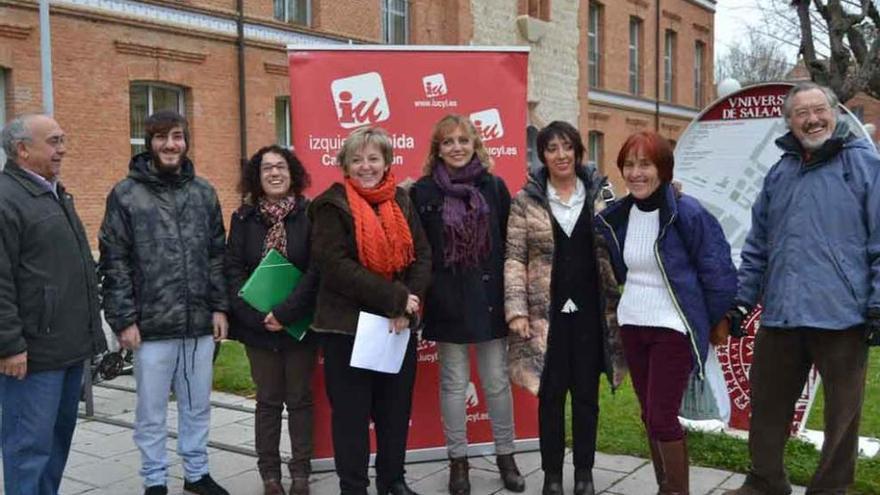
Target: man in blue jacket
{"points": [[812, 258]]}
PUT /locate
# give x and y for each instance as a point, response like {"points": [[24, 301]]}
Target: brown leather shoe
{"points": [[459, 484], [299, 485], [510, 475], [272, 486]]}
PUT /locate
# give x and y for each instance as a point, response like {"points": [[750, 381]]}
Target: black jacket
{"points": [[244, 251], [48, 285], [464, 305], [162, 243]]}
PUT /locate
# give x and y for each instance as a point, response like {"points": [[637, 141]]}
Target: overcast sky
{"points": [[731, 16]]}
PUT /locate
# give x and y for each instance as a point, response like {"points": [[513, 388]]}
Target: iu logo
{"points": [[434, 85], [471, 399], [488, 124], [360, 100]]}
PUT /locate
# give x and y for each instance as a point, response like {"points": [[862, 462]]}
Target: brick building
{"points": [[649, 66], [116, 61]]}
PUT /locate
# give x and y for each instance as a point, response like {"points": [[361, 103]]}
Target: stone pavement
{"points": [[105, 461]]}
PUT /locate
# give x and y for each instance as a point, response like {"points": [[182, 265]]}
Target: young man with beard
{"points": [[812, 258], [162, 245]]}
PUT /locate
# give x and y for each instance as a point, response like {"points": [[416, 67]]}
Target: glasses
{"points": [[818, 111], [56, 141]]}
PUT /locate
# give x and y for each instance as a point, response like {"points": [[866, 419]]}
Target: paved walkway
{"points": [[105, 461]]}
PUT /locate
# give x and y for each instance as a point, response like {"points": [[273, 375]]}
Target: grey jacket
{"points": [[813, 253], [48, 285], [162, 244]]}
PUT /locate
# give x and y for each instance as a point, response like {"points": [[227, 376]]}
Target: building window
{"points": [[669, 66], [395, 22], [635, 55], [147, 99], [699, 58], [594, 47], [282, 122], [293, 11], [595, 142], [539, 9]]}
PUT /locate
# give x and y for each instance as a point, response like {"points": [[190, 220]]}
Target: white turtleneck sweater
{"points": [[646, 300]]}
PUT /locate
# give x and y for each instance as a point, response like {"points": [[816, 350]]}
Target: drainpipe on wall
{"points": [[657, 66], [242, 93], [46, 59]]}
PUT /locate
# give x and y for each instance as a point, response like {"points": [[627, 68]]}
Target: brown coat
{"points": [[346, 287], [527, 281]]}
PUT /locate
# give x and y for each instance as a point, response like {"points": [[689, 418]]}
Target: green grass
{"points": [[232, 373], [621, 431]]}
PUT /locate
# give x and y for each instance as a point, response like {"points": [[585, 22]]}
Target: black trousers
{"points": [[572, 364], [358, 395]]}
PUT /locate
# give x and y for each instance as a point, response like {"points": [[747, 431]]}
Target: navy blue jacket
{"points": [[694, 257]]}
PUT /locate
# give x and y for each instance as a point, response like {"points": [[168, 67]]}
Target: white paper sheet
{"points": [[375, 348]]}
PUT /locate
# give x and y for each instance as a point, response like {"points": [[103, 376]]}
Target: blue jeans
{"points": [[39, 416], [187, 366]]}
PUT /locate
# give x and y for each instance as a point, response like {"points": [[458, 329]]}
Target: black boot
{"points": [[552, 484], [510, 475], [459, 484], [398, 487], [583, 482]]}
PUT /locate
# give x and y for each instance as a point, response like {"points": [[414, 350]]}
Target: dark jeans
{"points": [[779, 371], [572, 364], [358, 395], [39, 416], [660, 362], [283, 378]]}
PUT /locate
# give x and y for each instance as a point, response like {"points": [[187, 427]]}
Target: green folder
{"points": [[270, 284]]}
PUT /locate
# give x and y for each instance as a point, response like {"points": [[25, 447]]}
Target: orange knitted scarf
{"points": [[384, 241]]}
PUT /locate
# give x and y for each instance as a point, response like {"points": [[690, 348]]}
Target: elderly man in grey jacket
{"points": [[813, 258], [49, 320]]}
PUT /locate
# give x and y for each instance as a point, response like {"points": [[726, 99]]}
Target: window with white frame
{"points": [[669, 66], [395, 22], [595, 143], [594, 47], [635, 55], [699, 59], [282, 122], [147, 99], [293, 11]]}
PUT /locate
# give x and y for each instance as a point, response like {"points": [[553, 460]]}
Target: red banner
{"points": [[405, 91], [334, 91]]}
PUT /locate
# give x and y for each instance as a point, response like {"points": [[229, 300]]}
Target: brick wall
{"points": [[553, 61]]}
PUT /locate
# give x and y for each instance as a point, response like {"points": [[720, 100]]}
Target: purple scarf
{"points": [[465, 214]]}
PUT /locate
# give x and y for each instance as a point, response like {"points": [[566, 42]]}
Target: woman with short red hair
{"points": [[674, 261]]}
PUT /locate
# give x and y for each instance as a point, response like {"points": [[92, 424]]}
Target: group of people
{"points": [[551, 289]]}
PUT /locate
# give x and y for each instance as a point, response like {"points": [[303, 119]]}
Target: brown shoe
{"points": [[459, 484], [299, 485], [675, 466], [510, 475], [272, 486]]}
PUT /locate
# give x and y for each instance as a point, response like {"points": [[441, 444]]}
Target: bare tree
{"points": [[758, 58], [839, 44]]}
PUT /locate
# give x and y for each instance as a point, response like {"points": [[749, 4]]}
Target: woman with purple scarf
{"points": [[463, 209]]}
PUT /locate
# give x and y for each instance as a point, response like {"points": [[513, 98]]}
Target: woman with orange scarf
{"points": [[373, 256]]}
